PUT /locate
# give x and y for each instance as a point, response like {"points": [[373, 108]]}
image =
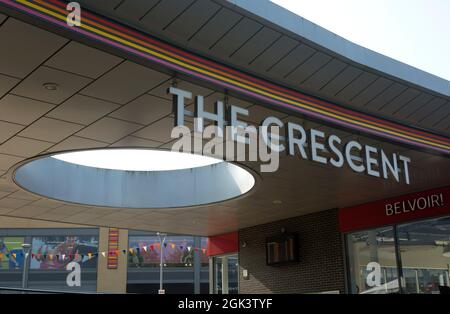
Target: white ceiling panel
{"points": [[82, 109], [46, 203], [13, 203], [75, 142], [52, 130], [6, 83], [132, 141], [19, 60], [8, 129], [67, 84], [108, 130], [28, 211], [144, 110], [158, 131], [116, 85], [23, 195], [24, 147], [7, 161], [22, 110], [83, 60]]}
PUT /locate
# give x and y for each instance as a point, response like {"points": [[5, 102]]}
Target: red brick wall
{"points": [[321, 258]]}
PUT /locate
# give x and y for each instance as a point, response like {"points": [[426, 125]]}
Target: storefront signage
{"points": [[312, 144], [420, 203], [396, 210]]}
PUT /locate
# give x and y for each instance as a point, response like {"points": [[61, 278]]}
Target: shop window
{"points": [[185, 264], [145, 251], [425, 255], [372, 261], [51, 259], [11, 261]]}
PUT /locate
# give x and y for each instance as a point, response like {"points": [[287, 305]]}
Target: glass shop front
{"points": [[411, 254]]}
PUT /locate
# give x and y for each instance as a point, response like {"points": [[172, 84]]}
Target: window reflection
{"points": [[146, 251], [423, 248], [372, 261], [424, 260]]}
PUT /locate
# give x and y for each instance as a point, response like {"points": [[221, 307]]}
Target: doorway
{"points": [[225, 274]]}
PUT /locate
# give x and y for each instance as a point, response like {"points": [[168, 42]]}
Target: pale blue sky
{"points": [[416, 32]]}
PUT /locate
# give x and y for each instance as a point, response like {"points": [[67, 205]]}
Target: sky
{"points": [[416, 32]]}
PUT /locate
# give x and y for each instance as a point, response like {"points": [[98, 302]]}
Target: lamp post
{"points": [[26, 249], [162, 238]]}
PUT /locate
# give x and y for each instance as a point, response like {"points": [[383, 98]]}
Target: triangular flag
{"points": [[144, 248], [172, 245], [189, 248], [204, 251], [165, 244], [196, 249], [151, 247], [14, 255], [63, 256]]}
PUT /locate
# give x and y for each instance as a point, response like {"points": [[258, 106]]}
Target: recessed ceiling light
{"points": [[277, 202], [50, 86]]}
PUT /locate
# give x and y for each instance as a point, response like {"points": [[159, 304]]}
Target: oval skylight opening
{"points": [[136, 159], [134, 178]]}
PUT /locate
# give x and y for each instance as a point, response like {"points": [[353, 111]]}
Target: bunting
{"points": [[113, 252]]}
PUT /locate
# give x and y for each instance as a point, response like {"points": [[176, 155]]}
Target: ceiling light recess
{"points": [[133, 178]]}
